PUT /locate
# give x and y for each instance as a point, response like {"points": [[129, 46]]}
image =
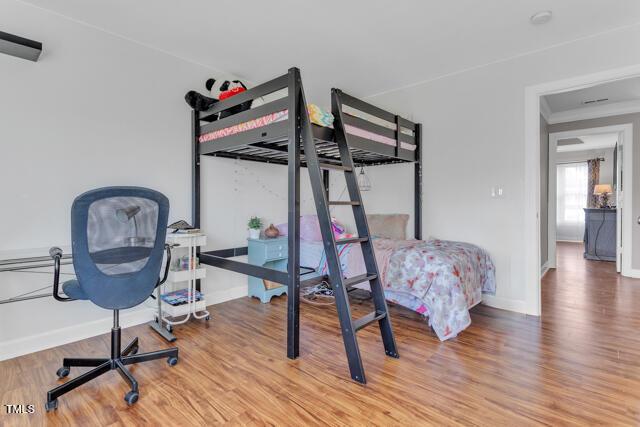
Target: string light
{"points": [[241, 169]]}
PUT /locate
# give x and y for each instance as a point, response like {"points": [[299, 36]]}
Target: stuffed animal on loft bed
{"points": [[218, 93]]}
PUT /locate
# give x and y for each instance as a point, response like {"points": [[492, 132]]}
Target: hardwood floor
{"points": [[579, 364]]}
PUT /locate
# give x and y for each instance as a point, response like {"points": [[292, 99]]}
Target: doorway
{"points": [[586, 193], [532, 176]]}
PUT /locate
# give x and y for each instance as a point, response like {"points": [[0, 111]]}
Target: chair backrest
{"points": [[118, 236]]}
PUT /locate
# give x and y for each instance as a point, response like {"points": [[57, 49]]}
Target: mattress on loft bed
{"points": [[317, 116]]}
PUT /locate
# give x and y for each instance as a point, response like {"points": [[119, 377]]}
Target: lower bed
{"points": [[439, 279]]}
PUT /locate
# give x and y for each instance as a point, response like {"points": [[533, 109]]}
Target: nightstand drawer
{"points": [[268, 253], [276, 251]]}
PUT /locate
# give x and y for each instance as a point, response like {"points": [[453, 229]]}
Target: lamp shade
{"points": [[603, 189]]}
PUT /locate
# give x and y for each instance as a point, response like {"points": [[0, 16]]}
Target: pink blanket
{"points": [[436, 278]]}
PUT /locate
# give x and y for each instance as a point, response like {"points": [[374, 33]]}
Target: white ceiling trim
{"points": [[128, 39], [586, 113], [504, 60]]}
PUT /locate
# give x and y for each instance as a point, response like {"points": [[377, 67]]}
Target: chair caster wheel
{"points": [[131, 397], [172, 361], [134, 350], [207, 318], [51, 406], [62, 372], [169, 328]]}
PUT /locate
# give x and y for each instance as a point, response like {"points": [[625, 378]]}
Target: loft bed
{"points": [[268, 134]]}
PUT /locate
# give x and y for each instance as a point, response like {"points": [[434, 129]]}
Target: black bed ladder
{"points": [[341, 285]]}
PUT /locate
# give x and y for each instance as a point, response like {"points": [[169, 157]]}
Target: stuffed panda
{"points": [[220, 92], [227, 90], [199, 102]]}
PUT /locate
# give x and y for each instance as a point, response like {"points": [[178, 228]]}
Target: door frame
{"points": [[625, 139], [531, 214]]}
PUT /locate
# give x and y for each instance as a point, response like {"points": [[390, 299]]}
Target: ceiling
{"points": [[614, 92], [590, 142], [362, 46]]}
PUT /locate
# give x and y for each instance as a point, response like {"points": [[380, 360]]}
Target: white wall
{"points": [[98, 110], [474, 139]]}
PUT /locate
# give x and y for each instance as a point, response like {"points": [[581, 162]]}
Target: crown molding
{"points": [[597, 111]]}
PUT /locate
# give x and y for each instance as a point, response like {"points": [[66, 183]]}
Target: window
{"points": [[572, 199]]}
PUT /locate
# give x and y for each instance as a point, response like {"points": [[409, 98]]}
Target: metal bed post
{"points": [[418, 183], [326, 180], [195, 176], [293, 267]]}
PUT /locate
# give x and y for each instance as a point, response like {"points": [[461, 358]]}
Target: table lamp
{"points": [[603, 190], [127, 214]]}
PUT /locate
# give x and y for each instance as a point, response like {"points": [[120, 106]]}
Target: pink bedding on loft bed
{"points": [[317, 116]]}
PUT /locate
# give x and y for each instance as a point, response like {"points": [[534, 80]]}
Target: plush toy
{"points": [[218, 92], [199, 102], [229, 89]]}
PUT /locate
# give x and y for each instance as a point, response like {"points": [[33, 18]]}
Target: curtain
{"points": [[573, 184], [594, 178]]}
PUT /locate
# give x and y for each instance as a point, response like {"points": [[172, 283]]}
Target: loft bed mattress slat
{"points": [[245, 116], [361, 148], [272, 131], [368, 126]]}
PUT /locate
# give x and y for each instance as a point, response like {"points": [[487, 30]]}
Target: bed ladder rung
{"points": [[344, 203], [332, 166], [350, 281], [351, 240], [368, 319]]}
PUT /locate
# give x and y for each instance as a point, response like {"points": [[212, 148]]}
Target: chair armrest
{"points": [[167, 247], [56, 254]]}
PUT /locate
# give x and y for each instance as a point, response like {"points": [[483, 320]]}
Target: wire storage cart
{"points": [[178, 300]]}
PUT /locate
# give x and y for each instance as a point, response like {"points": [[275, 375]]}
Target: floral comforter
{"points": [[436, 278]]}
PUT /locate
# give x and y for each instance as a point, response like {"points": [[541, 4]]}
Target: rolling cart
{"points": [[182, 276]]}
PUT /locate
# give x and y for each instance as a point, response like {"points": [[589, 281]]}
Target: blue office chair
{"points": [[118, 242]]}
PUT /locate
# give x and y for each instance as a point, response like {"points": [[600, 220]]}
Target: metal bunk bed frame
{"points": [[272, 143]]}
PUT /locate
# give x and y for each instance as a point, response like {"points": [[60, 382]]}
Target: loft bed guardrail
{"points": [[265, 138], [276, 132]]}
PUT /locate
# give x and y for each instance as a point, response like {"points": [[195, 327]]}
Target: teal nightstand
{"points": [[269, 253]]}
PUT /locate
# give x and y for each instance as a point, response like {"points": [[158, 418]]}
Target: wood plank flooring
{"points": [[579, 364]]}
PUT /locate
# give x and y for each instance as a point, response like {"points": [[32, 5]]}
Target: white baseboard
{"points": [[632, 272], [519, 306], [544, 269], [33, 343]]}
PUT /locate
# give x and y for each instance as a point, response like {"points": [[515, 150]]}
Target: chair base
{"points": [[118, 361]]}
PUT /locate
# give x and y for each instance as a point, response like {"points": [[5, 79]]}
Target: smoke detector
{"points": [[541, 17]]}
